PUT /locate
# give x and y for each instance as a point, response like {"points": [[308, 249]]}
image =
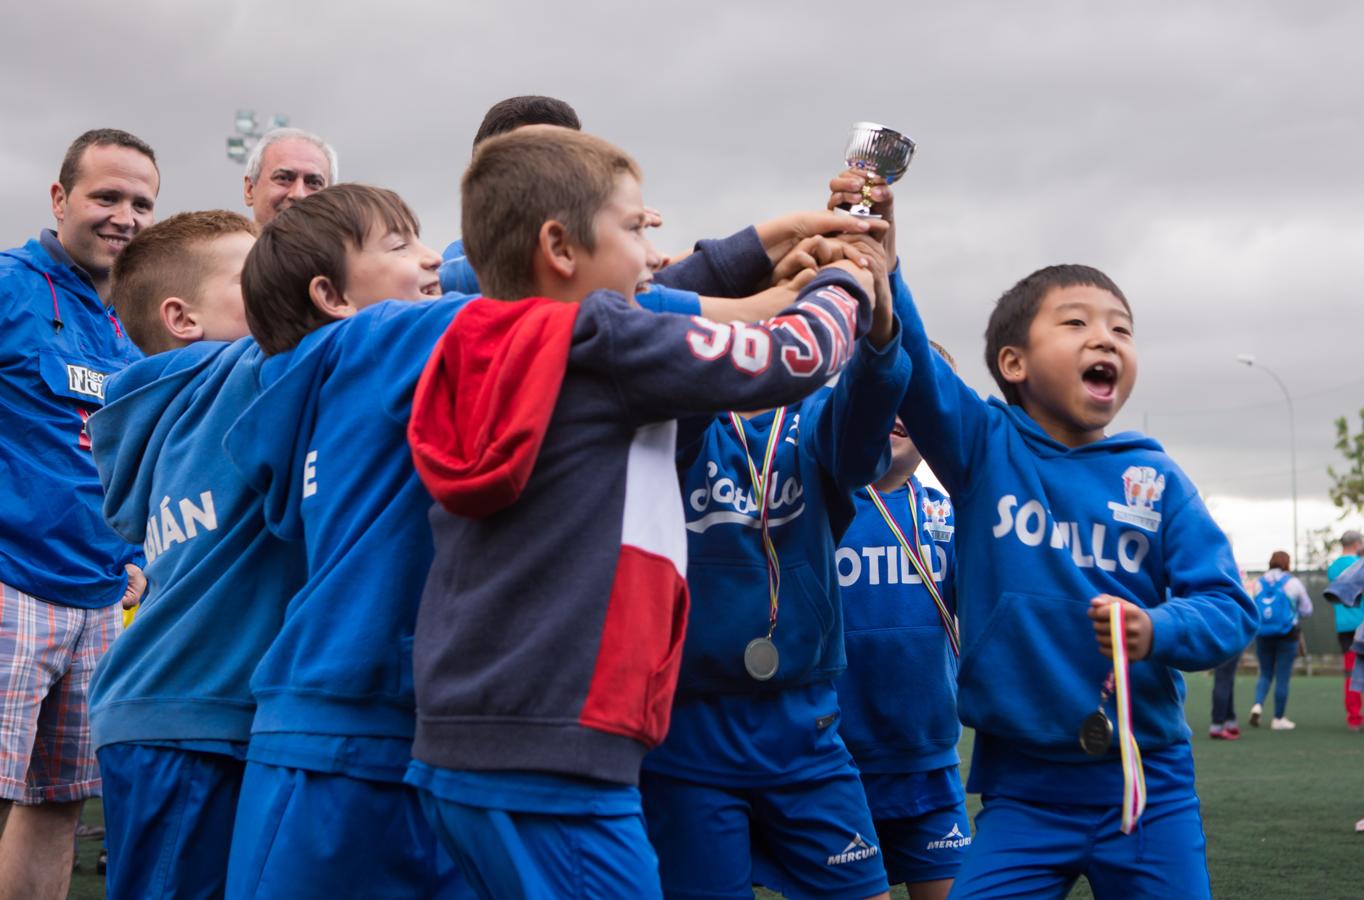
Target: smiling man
{"points": [[286, 165], [63, 571]]}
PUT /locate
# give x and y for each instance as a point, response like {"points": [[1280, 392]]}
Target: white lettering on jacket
{"points": [[739, 505], [889, 565], [165, 529], [82, 380], [310, 473], [1031, 524]]}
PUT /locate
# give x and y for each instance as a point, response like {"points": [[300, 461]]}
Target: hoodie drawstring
{"points": [[57, 323]]}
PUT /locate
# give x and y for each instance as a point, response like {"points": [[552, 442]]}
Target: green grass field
{"points": [[1279, 807]]}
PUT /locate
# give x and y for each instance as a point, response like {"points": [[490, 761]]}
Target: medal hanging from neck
{"points": [[1096, 732], [760, 656], [949, 623]]}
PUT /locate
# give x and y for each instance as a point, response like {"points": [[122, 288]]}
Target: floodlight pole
{"points": [[1247, 359], [249, 132]]}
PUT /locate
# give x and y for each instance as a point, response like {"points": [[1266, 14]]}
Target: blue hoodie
{"points": [[1048, 528], [58, 344], [834, 442], [340, 477], [899, 694], [668, 294], [217, 580]]}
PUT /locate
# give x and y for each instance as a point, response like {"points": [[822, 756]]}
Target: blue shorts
{"points": [[168, 820], [301, 833], [1025, 849], [810, 839], [927, 847], [515, 854]]}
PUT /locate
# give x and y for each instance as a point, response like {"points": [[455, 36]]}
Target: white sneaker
{"points": [[1282, 724], [1255, 712]]}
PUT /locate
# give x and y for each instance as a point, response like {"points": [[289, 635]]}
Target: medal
{"points": [[1096, 733], [761, 658]]}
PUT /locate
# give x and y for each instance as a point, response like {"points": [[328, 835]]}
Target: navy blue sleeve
{"points": [[670, 367], [735, 266], [670, 300]]}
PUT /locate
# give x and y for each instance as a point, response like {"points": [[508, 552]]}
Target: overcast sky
{"points": [[1206, 155]]}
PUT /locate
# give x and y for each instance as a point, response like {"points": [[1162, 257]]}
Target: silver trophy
{"points": [[883, 154]]}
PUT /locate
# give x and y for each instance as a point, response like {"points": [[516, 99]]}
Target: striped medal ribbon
{"points": [[1133, 778], [915, 555], [760, 656]]}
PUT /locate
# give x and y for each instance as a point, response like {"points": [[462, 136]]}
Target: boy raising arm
{"points": [[1059, 519], [550, 632]]}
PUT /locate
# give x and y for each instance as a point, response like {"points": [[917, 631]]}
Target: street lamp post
{"points": [[1247, 359]]}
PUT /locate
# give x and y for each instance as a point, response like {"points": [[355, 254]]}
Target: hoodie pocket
{"points": [[730, 608], [1034, 672], [73, 378]]}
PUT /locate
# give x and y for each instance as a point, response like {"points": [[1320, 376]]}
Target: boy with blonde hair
{"points": [[170, 718]]}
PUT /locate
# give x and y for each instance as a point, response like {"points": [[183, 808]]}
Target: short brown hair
{"points": [[520, 180], [99, 137], [1014, 312], [1279, 560], [166, 260], [311, 238]]}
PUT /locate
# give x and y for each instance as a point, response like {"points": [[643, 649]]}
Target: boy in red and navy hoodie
{"points": [[549, 635]]}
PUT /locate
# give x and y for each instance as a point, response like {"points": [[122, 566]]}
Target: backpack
{"points": [[1278, 611]]}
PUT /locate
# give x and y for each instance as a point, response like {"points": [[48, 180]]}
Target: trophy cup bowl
{"points": [[882, 153]]}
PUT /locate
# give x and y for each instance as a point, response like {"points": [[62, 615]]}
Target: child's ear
{"points": [[177, 317], [1012, 366], [328, 300], [557, 250]]}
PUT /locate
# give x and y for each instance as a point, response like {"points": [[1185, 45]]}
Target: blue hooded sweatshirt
{"points": [[58, 344], [899, 693], [458, 276], [898, 696], [727, 726], [341, 479], [217, 579], [1049, 527]]}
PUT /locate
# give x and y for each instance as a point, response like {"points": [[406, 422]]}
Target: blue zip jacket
{"points": [[833, 442], [58, 344], [217, 579], [899, 693], [1049, 528], [726, 268], [341, 479]]}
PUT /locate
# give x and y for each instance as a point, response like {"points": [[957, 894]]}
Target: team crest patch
{"points": [[1141, 489], [936, 513]]}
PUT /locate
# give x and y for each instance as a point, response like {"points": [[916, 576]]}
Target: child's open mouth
{"points": [[1101, 380], [899, 431]]}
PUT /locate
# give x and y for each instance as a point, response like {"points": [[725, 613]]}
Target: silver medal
{"points": [[760, 658]]}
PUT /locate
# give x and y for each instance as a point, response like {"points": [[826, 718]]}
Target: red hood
{"points": [[484, 401]]}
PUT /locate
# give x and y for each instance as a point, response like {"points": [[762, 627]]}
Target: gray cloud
{"points": [[1205, 154]]}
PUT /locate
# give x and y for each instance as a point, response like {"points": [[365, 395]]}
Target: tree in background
{"points": [[1347, 486]]}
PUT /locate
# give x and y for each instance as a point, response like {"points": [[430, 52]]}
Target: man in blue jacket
{"points": [[62, 570]]}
